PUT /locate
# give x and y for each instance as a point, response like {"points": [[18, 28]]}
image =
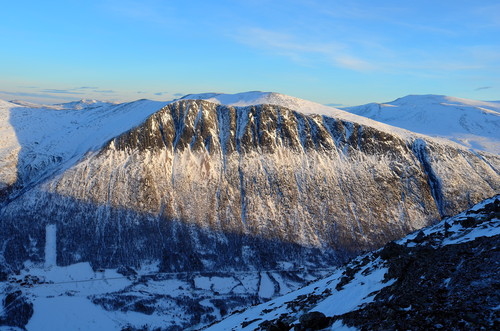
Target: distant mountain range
{"points": [[475, 124]]}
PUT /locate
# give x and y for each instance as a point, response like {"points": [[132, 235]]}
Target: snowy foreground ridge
{"points": [[354, 293]]}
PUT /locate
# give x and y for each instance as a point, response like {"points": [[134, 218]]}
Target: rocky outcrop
{"points": [[16, 310], [453, 287], [201, 186], [441, 277]]}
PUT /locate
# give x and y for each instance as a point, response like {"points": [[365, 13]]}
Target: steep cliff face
{"points": [[204, 186]]}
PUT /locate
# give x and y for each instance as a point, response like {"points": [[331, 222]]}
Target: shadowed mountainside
{"points": [[263, 172]]}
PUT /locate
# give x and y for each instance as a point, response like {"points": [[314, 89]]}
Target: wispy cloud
{"points": [[179, 94], [302, 51], [62, 91], [487, 15], [361, 37], [483, 88], [103, 91], [356, 11], [77, 90], [354, 63], [30, 87], [35, 95], [149, 11]]}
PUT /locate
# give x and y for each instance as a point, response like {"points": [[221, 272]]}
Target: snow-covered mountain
{"points": [[37, 141], [474, 124], [256, 171], [193, 186], [441, 277], [75, 105]]}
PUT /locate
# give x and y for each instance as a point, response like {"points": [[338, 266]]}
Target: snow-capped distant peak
{"points": [[27, 104], [471, 123], [433, 99], [84, 104], [17, 102], [77, 105]]}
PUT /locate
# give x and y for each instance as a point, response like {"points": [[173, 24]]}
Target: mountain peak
{"points": [[258, 97], [84, 103]]}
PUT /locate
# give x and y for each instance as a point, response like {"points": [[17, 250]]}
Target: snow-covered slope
{"points": [[444, 276], [38, 140], [472, 123]]}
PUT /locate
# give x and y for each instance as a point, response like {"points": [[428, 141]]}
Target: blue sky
{"points": [[332, 52]]}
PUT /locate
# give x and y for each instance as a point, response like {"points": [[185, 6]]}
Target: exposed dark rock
{"points": [[420, 238], [17, 310], [312, 321], [127, 271], [278, 325], [454, 286], [390, 251], [468, 222]]}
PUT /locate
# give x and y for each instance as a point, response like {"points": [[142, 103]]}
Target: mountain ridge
{"points": [[79, 124], [251, 171], [471, 123]]}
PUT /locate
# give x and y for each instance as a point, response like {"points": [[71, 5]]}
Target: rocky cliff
{"points": [[201, 186]]}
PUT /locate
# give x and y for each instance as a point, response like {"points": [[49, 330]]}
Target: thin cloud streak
{"points": [[158, 13], [104, 91], [301, 51], [61, 91], [339, 54], [35, 95]]}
